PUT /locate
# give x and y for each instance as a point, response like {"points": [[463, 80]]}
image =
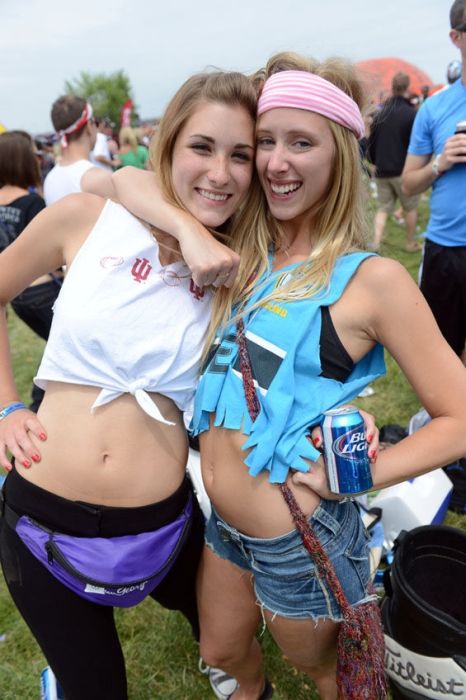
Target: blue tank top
{"points": [[283, 344]]}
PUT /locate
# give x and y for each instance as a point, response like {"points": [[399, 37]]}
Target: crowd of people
{"points": [[229, 291], [388, 133]]}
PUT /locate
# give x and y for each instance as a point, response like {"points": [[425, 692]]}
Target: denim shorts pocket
{"points": [[328, 528], [357, 552], [286, 556], [291, 563]]}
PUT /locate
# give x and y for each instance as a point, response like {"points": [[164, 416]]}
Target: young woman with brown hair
{"points": [[107, 515]]}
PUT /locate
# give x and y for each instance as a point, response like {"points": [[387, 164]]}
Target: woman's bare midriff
{"points": [[116, 455], [252, 505]]}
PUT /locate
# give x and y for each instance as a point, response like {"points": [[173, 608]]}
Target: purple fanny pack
{"points": [[118, 571]]}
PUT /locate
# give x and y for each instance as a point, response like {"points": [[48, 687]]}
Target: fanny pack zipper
{"points": [[54, 554]]}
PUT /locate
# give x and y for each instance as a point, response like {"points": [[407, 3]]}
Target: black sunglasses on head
{"points": [[461, 27]]}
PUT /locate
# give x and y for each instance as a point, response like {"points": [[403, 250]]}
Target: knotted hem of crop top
{"points": [[107, 395], [141, 396]]}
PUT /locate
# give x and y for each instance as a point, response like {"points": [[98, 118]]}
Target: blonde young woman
{"points": [[131, 152], [315, 311], [106, 516]]}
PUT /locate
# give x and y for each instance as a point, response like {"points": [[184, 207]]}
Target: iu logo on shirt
{"points": [[141, 270]]}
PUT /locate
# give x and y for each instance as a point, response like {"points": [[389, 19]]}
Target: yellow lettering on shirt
{"points": [[276, 309]]}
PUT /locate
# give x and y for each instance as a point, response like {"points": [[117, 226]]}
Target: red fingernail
{"points": [[26, 463], [370, 437], [316, 441], [8, 468], [35, 457], [42, 436], [373, 454]]}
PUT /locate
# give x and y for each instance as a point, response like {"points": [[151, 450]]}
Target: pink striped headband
{"points": [[299, 89]]}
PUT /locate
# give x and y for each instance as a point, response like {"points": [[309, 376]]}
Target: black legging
{"points": [[79, 638]]}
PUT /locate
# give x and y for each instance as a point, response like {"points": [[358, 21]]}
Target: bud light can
{"points": [[345, 452]]}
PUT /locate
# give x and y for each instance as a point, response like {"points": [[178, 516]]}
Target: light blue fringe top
{"points": [[283, 344]]}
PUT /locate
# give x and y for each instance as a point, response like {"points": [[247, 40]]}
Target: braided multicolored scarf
{"points": [[360, 645]]}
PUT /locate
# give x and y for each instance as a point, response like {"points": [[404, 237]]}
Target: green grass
{"points": [[160, 654], [394, 400]]}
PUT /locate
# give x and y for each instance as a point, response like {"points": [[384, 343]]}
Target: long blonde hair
{"points": [[339, 224], [127, 137]]}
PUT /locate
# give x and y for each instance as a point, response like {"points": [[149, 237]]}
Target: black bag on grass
{"points": [[424, 615]]}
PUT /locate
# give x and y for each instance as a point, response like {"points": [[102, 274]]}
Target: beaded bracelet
{"points": [[10, 408]]}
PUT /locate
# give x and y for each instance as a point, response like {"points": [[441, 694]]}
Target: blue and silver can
{"points": [[345, 452]]}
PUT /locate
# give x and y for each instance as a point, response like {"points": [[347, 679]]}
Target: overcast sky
{"points": [[160, 43]]}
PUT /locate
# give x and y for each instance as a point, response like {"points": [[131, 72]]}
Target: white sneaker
{"points": [[221, 683]]}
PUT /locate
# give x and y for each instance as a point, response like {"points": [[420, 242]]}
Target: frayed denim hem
{"points": [[306, 614], [298, 615], [225, 558]]}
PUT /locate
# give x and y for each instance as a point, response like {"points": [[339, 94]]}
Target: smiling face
{"points": [[212, 161], [294, 159]]}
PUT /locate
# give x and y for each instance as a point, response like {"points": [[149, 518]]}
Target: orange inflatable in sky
{"points": [[377, 74]]}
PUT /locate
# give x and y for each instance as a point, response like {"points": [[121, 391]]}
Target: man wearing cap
{"points": [[73, 121], [437, 158]]}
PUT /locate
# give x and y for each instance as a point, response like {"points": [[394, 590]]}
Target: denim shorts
{"points": [[285, 579]]}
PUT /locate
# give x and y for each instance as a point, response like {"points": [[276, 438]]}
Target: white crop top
{"points": [[123, 322]]}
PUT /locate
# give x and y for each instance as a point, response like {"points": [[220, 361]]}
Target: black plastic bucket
{"points": [[424, 615]]}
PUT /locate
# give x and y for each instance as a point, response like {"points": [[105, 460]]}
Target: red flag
{"points": [[126, 110]]}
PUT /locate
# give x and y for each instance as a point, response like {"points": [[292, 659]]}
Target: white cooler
{"points": [[419, 501]]}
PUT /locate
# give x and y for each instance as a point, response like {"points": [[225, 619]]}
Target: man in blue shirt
{"points": [[437, 158]]}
